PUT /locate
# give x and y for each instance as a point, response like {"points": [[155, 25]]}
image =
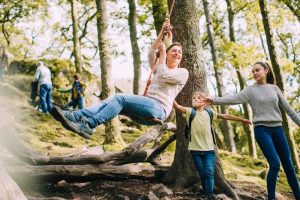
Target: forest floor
{"points": [[45, 135], [134, 190]]}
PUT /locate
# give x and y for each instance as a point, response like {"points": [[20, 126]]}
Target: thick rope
{"points": [[157, 56]]}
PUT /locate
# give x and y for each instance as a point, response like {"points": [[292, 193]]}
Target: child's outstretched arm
{"points": [[179, 107], [234, 118]]}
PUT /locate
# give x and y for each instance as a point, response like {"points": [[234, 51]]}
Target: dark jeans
{"points": [[205, 164], [46, 97], [274, 146], [76, 102]]}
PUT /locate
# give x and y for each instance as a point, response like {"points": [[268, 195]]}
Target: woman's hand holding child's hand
{"points": [[206, 100], [247, 122]]}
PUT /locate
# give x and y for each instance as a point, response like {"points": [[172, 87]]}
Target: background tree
{"points": [[186, 31], [112, 132], [12, 11], [237, 65], [159, 12], [134, 46], [226, 128], [76, 41]]}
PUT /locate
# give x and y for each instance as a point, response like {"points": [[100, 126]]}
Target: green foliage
{"points": [[61, 69], [145, 15], [13, 10], [240, 55], [294, 6]]}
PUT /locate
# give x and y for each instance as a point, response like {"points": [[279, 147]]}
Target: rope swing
{"points": [[157, 55]]}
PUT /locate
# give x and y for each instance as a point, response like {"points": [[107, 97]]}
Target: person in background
{"points": [[34, 94], [43, 76], [77, 93]]}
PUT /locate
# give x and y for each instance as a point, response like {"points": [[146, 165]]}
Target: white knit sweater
{"points": [[166, 83]]}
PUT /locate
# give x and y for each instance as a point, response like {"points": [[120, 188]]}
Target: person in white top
{"points": [[43, 75], [154, 107]]}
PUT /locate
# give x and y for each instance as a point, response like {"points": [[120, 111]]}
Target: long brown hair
{"points": [[270, 74]]}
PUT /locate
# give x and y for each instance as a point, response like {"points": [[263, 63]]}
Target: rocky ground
{"points": [[133, 190]]}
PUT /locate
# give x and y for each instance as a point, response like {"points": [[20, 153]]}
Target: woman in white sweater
{"points": [[265, 98], [168, 80]]}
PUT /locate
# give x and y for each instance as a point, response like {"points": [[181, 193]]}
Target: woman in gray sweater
{"points": [[264, 97]]}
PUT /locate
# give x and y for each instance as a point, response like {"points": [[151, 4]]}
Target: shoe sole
{"points": [[58, 114]]}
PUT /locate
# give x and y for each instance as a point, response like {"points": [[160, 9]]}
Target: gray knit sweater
{"points": [[264, 101]]}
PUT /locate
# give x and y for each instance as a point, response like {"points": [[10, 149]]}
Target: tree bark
{"points": [[227, 128], [112, 132], [134, 46], [230, 20], [132, 153], [249, 131], [279, 79], [54, 173], [262, 42], [186, 30], [76, 42], [3, 59], [159, 12], [247, 113]]}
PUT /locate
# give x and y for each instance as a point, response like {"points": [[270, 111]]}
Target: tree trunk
{"points": [[249, 131], [54, 173], [94, 155], [3, 59], [279, 79], [159, 12], [262, 42], [226, 128], [247, 113], [112, 133], [76, 42], [186, 31], [6, 35], [230, 20], [134, 46]]}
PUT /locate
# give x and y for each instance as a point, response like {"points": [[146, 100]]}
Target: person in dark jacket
{"points": [[77, 93]]}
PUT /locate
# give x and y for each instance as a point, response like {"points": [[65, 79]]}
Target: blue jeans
{"points": [[205, 164], [46, 97], [140, 109], [274, 146], [76, 102]]}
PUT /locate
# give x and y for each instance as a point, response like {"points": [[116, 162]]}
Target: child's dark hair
{"points": [[76, 76], [270, 75]]}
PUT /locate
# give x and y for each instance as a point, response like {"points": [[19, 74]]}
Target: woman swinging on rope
{"points": [[150, 109]]}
